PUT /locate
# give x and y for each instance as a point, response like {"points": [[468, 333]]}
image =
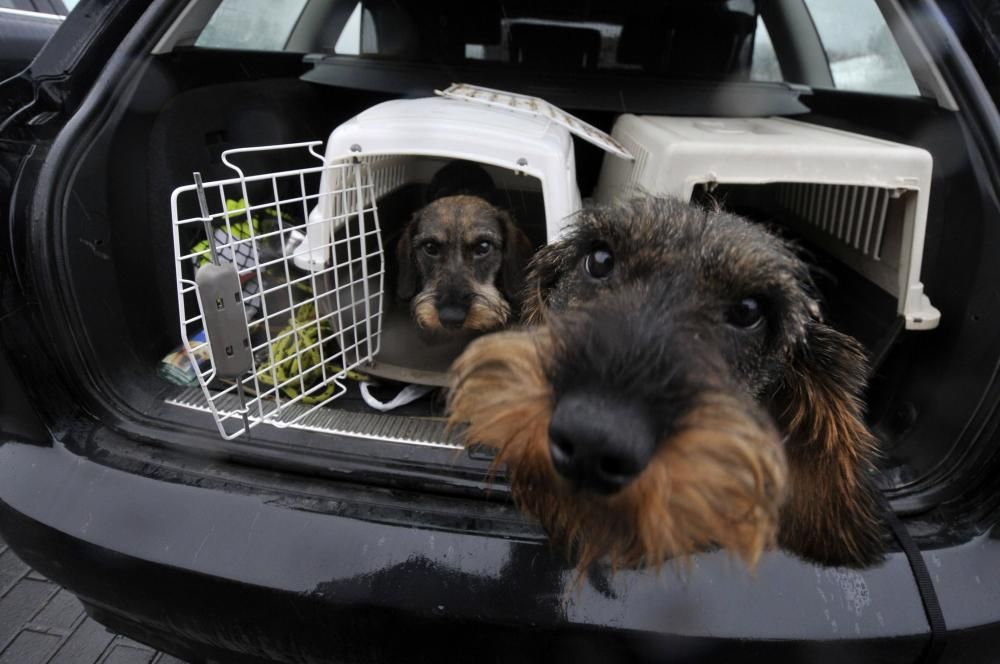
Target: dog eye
{"points": [[431, 248], [482, 248], [748, 314], [599, 262]]}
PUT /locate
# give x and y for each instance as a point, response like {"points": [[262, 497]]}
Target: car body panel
{"points": [[421, 574]]}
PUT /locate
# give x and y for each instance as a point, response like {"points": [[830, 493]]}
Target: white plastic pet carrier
{"points": [[523, 142], [861, 199], [281, 269]]}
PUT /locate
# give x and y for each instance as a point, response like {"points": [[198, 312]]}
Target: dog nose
{"points": [[452, 316], [600, 444]]}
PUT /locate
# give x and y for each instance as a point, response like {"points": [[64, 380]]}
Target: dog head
{"points": [[677, 391], [461, 264]]}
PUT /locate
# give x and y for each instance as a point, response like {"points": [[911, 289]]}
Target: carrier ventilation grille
{"points": [[388, 173], [638, 166], [855, 215]]}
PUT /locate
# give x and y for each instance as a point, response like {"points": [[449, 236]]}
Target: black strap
{"points": [[928, 596]]}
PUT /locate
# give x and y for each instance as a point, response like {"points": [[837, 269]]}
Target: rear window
{"points": [[764, 62], [256, 25], [718, 40], [862, 52], [703, 38]]}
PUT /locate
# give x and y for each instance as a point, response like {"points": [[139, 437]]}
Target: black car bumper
{"points": [[218, 570]]}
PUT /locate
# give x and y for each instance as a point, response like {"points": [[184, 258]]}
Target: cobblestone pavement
{"points": [[40, 623]]}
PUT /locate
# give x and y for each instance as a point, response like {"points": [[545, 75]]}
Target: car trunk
{"points": [[185, 113], [112, 258]]}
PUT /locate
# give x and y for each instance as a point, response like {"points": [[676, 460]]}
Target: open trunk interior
{"points": [[191, 105]]}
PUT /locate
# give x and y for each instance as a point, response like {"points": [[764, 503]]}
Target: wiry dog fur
{"points": [[752, 410], [461, 265]]}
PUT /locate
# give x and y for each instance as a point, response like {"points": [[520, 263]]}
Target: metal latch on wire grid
{"points": [[225, 321]]}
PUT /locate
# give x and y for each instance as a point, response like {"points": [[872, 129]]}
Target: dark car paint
{"points": [[223, 560], [191, 543], [193, 555]]}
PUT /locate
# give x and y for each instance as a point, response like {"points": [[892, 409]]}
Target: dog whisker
{"points": [[425, 312], [488, 309]]}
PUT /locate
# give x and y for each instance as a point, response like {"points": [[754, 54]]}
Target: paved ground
{"points": [[40, 623]]}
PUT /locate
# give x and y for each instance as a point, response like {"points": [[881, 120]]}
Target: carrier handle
{"points": [[309, 145]]}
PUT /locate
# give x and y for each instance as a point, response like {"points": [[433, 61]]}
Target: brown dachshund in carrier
{"points": [[676, 391], [462, 259]]}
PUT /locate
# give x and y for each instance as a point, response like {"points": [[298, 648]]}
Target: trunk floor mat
{"points": [[428, 431]]}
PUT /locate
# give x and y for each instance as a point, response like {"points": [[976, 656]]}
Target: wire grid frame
{"points": [[315, 325]]}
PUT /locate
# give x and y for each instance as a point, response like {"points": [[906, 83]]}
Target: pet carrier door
{"points": [[271, 342]]}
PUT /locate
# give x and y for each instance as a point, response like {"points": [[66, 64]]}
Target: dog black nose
{"points": [[452, 316], [600, 444]]}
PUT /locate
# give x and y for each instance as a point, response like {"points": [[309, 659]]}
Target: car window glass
{"points": [[862, 52], [705, 39], [258, 25], [710, 39], [764, 63], [358, 36]]}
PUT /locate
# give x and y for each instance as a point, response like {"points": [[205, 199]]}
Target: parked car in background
{"points": [[365, 537]]}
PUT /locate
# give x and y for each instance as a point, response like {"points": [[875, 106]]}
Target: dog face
{"points": [[677, 392], [461, 264]]}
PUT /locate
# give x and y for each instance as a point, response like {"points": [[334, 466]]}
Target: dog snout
{"points": [[452, 316], [452, 301], [599, 444]]}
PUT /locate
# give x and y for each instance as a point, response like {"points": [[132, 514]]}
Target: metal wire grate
{"points": [[303, 336], [384, 427]]}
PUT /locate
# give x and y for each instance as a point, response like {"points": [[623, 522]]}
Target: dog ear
{"points": [[408, 277], [517, 250], [544, 270], [833, 512]]}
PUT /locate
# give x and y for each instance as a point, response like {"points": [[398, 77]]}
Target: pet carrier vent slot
{"points": [[389, 173], [854, 215], [301, 351], [626, 177], [638, 166], [862, 200]]}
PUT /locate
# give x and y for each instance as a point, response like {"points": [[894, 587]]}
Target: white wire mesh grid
{"points": [[307, 329]]}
